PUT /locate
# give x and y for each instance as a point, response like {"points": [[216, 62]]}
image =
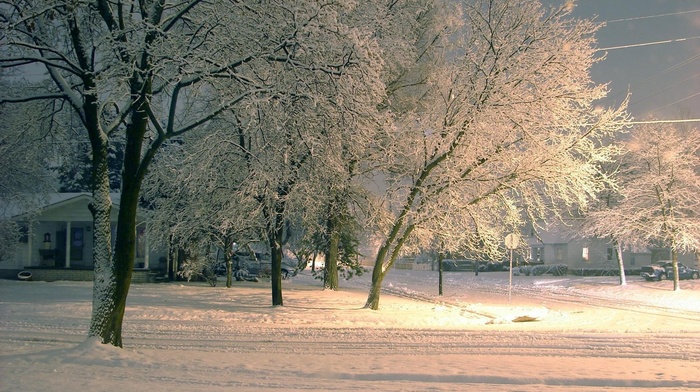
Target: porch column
{"points": [[30, 243], [68, 244], [147, 250]]}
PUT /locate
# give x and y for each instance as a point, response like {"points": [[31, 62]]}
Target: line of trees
{"points": [[656, 200], [424, 123]]}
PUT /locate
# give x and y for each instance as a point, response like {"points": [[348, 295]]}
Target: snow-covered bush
{"points": [[537, 270], [198, 266]]}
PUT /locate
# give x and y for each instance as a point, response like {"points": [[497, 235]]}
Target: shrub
{"points": [[554, 269]]}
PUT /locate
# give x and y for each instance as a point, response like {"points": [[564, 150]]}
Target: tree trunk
{"points": [[124, 252], [382, 265], [674, 262], [112, 281], [375, 289], [275, 235], [441, 256], [228, 260], [330, 275], [621, 264], [276, 273], [101, 208]]}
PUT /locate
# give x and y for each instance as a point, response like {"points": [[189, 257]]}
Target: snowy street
{"points": [[152, 139], [588, 334]]}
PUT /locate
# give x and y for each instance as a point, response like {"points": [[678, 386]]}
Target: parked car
{"points": [[684, 272], [655, 271], [497, 265], [664, 270], [462, 265], [246, 266]]}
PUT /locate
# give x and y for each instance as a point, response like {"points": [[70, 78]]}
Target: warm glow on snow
{"points": [[557, 334]]}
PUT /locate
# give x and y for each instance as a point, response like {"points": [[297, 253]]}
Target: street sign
{"points": [[512, 241]]}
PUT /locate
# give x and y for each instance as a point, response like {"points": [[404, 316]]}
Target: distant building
{"points": [[555, 246]]}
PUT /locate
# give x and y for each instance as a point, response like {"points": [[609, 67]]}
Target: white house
{"points": [[59, 236]]}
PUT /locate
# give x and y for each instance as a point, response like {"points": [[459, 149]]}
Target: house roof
{"points": [[66, 206]]}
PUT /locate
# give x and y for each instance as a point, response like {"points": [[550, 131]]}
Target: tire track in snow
{"points": [[685, 347]]}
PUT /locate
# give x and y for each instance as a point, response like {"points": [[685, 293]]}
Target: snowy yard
{"points": [[588, 334]]}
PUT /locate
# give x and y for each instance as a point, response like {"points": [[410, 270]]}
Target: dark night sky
{"points": [[664, 79]]}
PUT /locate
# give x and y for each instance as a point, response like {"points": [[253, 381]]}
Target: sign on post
{"points": [[512, 241]]}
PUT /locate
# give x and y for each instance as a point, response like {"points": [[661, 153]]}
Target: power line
{"points": [[668, 41], [673, 103], [649, 79], [685, 120], [651, 16], [669, 87], [669, 69]]}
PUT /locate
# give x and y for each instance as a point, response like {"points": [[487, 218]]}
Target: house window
{"points": [[584, 254], [612, 254], [537, 254]]}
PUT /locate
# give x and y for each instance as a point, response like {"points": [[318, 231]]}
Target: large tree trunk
{"points": [[384, 262], [376, 288], [330, 276], [113, 280], [101, 208], [109, 300], [124, 252]]}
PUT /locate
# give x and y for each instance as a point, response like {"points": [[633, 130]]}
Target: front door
{"points": [[77, 244]]}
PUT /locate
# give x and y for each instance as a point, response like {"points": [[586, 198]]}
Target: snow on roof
{"points": [[56, 200]]}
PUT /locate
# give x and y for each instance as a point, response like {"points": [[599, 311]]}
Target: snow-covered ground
{"points": [[588, 334]]}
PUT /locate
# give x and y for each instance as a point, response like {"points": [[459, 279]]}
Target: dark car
{"points": [[246, 266], [462, 265], [684, 272], [655, 271], [664, 270]]}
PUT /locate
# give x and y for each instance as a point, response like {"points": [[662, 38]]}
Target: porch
{"points": [[60, 235], [51, 274]]}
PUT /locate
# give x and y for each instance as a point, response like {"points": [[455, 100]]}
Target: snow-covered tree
{"points": [[594, 222], [147, 71], [192, 195], [272, 160], [75, 168], [660, 192], [281, 165], [304, 152], [508, 128], [408, 34], [26, 143]]}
